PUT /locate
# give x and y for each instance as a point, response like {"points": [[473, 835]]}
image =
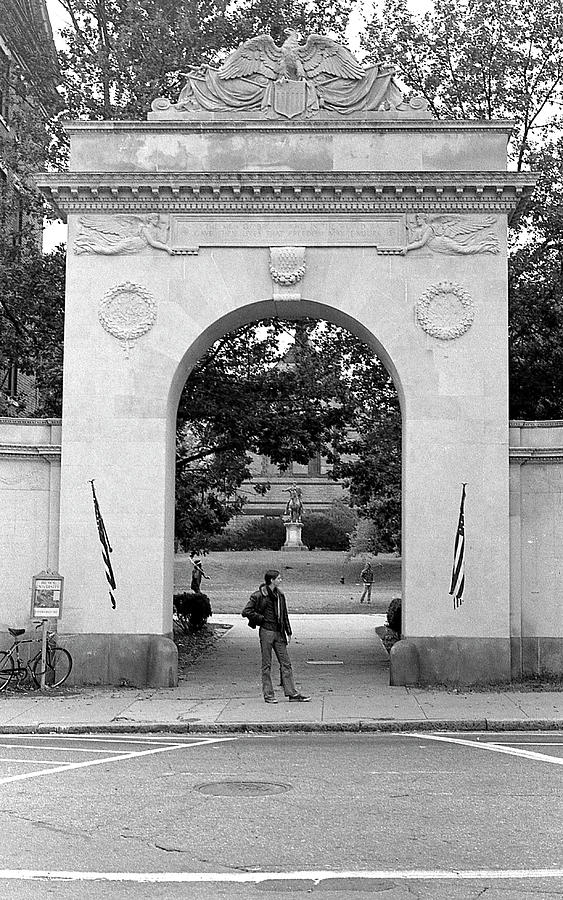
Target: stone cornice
{"points": [[536, 423], [342, 125], [36, 423], [285, 192], [50, 452], [536, 455]]}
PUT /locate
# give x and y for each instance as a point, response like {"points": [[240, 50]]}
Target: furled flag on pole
{"points": [[458, 571], [106, 547]]}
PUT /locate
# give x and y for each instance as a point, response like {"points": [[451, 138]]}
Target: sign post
{"points": [[46, 603]]}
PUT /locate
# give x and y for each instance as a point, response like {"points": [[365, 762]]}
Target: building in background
{"points": [[29, 76], [318, 489]]}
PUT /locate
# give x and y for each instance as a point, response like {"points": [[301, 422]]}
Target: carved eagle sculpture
{"points": [[291, 62]]}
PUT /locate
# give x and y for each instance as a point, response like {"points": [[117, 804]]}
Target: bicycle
{"points": [[58, 662]]}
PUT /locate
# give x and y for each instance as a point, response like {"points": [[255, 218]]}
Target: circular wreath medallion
{"points": [[127, 311], [445, 311]]}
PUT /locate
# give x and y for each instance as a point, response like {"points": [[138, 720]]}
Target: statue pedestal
{"points": [[293, 536]]}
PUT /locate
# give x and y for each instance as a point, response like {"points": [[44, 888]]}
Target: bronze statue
{"points": [[294, 507]]}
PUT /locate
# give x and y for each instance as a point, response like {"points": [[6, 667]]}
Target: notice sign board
{"points": [[47, 596]]}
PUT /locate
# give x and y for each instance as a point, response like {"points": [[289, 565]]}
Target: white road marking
{"points": [[87, 738], [16, 759], [259, 877], [111, 759], [491, 747], [60, 749], [531, 743]]}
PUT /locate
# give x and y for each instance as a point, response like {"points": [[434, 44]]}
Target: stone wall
{"points": [[536, 539], [29, 512], [30, 462]]}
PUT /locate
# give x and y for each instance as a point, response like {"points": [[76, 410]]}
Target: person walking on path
{"points": [[267, 609], [367, 577], [197, 575]]}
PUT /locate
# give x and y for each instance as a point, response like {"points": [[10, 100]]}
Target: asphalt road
{"points": [[439, 817]]}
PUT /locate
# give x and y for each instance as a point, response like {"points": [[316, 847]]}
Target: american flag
{"points": [[458, 571], [106, 547]]}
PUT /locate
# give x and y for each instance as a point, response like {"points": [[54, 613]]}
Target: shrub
{"points": [[394, 615], [265, 533], [193, 610], [321, 532], [364, 538], [230, 537], [343, 516]]}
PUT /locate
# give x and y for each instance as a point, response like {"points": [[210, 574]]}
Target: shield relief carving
{"points": [[290, 98]]}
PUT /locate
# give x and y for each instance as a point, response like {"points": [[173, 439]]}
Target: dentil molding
{"points": [[289, 192]]}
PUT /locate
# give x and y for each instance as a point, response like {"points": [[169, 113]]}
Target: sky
{"points": [[56, 232]]}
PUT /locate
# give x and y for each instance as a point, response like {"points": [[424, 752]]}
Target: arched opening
{"points": [[294, 311]]}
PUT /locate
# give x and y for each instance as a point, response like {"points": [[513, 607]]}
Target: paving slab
{"points": [[445, 704], [397, 707], [539, 704], [177, 710], [283, 713], [74, 710], [338, 660]]}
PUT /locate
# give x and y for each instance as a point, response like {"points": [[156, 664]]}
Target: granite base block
{"points": [[139, 660], [541, 656], [452, 661]]}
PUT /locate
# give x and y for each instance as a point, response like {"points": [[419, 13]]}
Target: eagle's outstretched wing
{"points": [[259, 55], [323, 56]]}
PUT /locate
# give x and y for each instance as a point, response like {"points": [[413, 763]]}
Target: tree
{"points": [[32, 319], [31, 285], [249, 393], [484, 60], [477, 59], [122, 54], [374, 476], [535, 296]]}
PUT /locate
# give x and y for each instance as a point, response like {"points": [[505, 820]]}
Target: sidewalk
{"points": [[338, 660]]}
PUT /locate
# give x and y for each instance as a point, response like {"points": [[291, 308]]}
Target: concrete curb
{"points": [[492, 725]]}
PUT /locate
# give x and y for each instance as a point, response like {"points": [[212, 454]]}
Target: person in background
{"points": [[367, 577], [197, 575]]}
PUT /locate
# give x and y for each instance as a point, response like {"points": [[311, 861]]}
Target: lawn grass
{"points": [[311, 580]]}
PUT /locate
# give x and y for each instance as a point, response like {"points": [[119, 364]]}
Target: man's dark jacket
{"points": [[254, 610]]}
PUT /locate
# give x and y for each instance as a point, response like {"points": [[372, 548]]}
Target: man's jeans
{"points": [[272, 640], [366, 592]]}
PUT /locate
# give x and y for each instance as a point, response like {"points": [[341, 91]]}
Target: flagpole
{"points": [[106, 546], [457, 585]]}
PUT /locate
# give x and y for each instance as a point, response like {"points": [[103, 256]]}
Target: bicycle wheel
{"points": [[58, 668], [6, 670]]}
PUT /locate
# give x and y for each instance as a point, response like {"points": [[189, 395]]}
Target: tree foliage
{"points": [[476, 59], [482, 60], [251, 394], [31, 285], [122, 54], [32, 320], [536, 297]]}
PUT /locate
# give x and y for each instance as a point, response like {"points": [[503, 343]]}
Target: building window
{"points": [[315, 465], [4, 86]]}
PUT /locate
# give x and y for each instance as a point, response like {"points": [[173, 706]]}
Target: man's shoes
{"points": [[299, 698], [270, 700]]}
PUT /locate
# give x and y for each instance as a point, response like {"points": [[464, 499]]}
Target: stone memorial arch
{"points": [[295, 182]]}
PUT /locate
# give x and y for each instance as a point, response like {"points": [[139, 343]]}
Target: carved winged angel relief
{"points": [[291, 80]]}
